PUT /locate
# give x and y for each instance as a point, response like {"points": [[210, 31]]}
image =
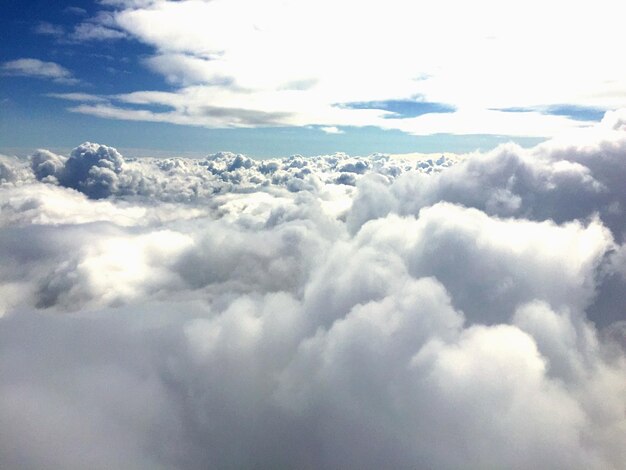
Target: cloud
{"points": [[185, 70], [331, 130], [38, 69], [75, 96], [99, 27], [319, 312], [12, 171], [49, 29], [211, 53], [96, 28], [95, 32], [75, 11]]}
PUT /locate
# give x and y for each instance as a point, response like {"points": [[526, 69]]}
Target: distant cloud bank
{"points": [[325, 312]]}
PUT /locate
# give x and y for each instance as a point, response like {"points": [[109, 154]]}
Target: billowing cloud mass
{"points": [[418, 68], [38, 69], [327, 312]]}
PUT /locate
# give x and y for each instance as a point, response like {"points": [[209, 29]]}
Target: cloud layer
{"points": [[237, 63], [326, 312]]}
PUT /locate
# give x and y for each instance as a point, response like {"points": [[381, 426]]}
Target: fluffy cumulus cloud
{"points": [[325, 312], [91, 168]]}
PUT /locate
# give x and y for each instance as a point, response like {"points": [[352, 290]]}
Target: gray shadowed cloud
{"points": [[245, 117], [91, 168]]}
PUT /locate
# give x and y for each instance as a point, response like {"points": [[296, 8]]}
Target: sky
{"points": [[312, 234], [280, 77]]}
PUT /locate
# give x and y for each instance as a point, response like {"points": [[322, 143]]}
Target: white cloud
{"points": [[329, 312], [182, 69], [331, 130], [299, 65], [100, 27], [38, 69]]}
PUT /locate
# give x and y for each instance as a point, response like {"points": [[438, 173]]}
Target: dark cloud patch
{"points": [[47, 166], [91, 168]]}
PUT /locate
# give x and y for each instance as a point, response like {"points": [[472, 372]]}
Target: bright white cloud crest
{"points": [[243, 63], [324, 312]]}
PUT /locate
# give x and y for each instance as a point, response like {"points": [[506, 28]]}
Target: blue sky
{"points": [[310, 77]]}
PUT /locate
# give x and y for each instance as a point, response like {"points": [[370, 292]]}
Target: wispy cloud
{"points": [[252, 61], [28, 67], [101, 27], [226, 69], [49, 29], [91, 31], [322, 312], [331, 130], [82, 97], [73, 10]]}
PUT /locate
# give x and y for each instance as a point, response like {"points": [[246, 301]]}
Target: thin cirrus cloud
{"points": [[323, 312], [74, 10], [29, 67], [95, 32], [100, 27], [49, 29], [454, 68]]}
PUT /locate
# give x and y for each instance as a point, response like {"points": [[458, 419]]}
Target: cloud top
{"points": [[325, 312]]}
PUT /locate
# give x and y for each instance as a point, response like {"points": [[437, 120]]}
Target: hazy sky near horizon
{"points": [[280, 77]]}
